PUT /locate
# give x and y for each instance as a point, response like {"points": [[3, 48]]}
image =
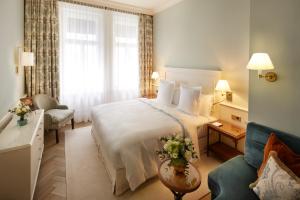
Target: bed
{"points": [[127, 133]]}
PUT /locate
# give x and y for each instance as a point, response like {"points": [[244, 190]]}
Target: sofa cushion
{"points": [[231, 180], [284, 153], [256, 139]]}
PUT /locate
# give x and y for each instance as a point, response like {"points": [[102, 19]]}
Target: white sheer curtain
{"points": [[98, 57]]}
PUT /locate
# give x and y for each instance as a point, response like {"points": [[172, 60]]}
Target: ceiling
{"points": [[149, 6]]}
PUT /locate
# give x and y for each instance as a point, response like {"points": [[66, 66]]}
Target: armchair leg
{"points": [[72, 122], [57, 137]]}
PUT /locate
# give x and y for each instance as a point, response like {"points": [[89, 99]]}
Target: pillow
{"points": [[176, 96], [285, 154], [189, 100], [277, 181], [205, 105], [165, 92]]}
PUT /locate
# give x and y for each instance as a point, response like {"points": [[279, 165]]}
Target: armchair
{"points": [[56, 115]]}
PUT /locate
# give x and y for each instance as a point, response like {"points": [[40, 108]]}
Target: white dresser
{"points": [[21, 150]]}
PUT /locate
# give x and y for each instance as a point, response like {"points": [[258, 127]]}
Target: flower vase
{"points": [[179, 170], [22, 121]]}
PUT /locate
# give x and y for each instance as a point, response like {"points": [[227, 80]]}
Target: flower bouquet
{"points": [[179, 150], [21, 110]]}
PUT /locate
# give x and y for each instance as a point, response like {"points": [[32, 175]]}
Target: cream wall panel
{"points": [[206, 34]]}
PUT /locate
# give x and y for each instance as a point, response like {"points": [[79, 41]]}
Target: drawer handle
{"points": [[38, 135]]}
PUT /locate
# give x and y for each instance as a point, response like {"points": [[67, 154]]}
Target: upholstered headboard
{"points": [[194, 77]]}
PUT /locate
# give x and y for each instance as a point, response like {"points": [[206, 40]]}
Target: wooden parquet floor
{"points": [[51, 183]]}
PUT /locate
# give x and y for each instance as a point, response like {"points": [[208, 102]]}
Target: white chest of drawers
{"points": [[21, 150]]}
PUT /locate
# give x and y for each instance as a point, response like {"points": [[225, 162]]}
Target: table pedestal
{"points": [[178, 195]]}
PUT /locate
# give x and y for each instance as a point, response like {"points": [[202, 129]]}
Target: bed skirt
{"points": [[116, 176]]}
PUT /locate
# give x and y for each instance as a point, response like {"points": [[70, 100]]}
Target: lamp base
{"points": [[229, 96], [269, 76]]}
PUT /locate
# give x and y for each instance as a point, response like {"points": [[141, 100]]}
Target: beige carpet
{"points": [[87, 178]]}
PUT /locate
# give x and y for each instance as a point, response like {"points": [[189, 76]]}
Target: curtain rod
{"points": [[101, 7]]}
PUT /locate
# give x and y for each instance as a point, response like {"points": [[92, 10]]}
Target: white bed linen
{"points": [[129, 130]]}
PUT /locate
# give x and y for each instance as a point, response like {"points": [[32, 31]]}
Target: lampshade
{"points": [[223, 86], [260, 61], [27, 59], [155, 76]]}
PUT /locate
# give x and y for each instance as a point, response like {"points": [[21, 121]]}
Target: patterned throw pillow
{"points": [[277, 181]]}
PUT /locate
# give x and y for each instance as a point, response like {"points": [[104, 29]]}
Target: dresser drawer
{"points": [[36, 154]]}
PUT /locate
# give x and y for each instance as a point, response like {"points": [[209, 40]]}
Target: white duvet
{"points": [[129, 133]]}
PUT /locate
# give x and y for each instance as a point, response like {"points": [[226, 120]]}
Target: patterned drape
{"points": [[41, 37], [146, 54]]}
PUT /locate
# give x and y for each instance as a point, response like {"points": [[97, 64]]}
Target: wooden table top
{"points": [[179, 183], [229, 129]]}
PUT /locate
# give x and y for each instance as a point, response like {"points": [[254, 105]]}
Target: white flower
{"points": [[178, 137], [166, 146], [174, 155], [187, 141], [188, 155], [18, 110]]}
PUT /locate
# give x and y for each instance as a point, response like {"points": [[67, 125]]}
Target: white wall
{"points": [[11, 36], [206, 34], [275, 29]]}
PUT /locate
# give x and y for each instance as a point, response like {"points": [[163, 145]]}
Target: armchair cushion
{"points": [[57, 118]]}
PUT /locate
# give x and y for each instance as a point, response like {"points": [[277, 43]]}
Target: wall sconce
{"points": [[224, 88], [27, 59], [155, 77], [262, 61]]}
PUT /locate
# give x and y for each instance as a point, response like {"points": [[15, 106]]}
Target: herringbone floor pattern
{"points": [[51, 183]]}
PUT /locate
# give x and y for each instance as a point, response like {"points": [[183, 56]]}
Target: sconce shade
{"points": [[155, 76], [223, 86], [27, 59], [260, 61]]}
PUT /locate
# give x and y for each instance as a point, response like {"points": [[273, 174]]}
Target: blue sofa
{"points": [[230, 181]]}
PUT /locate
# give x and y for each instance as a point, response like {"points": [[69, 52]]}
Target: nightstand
{"points": [[151, 96], [228, 130]]}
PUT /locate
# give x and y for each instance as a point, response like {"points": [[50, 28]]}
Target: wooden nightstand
{"points": [[151, 96], [228, 130]]}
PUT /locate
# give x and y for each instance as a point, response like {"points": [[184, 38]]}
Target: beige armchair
{"points": [[56, 116]]}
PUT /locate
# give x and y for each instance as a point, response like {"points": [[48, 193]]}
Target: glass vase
{"points": [[22, 121]]}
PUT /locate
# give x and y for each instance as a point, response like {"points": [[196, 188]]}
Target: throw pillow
{"points": [[277, 181], [165, 92], [285, 154]]}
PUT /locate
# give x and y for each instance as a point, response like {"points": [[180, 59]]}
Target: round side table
{"points": [[179, 184]]}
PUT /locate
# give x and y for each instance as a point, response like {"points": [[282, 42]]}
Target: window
{"points": [[98, 57]]}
